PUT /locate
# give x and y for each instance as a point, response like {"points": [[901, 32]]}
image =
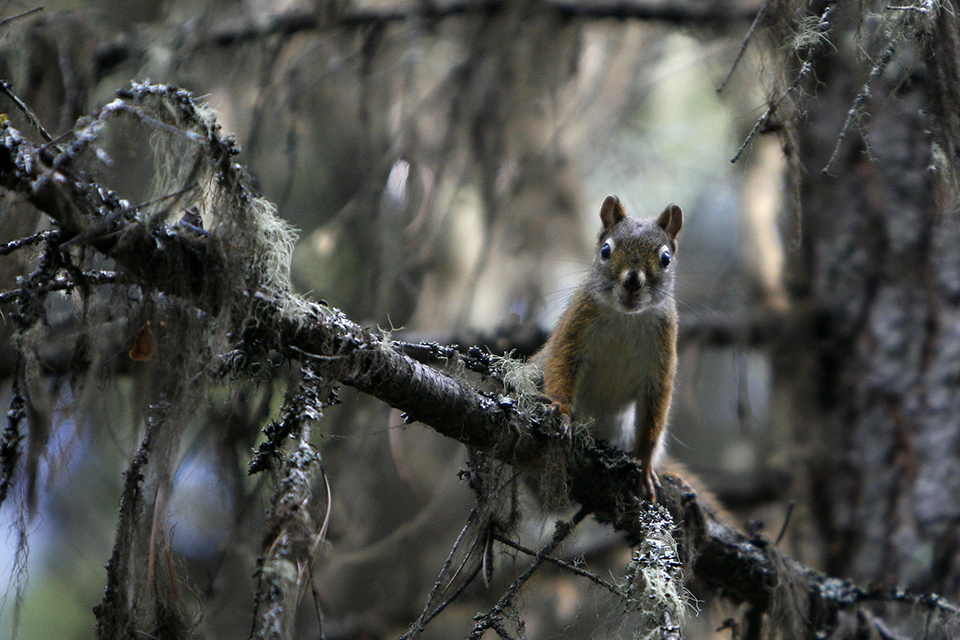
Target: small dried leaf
{"points": [[144, 346]]}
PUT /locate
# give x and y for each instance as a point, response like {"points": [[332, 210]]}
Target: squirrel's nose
{"points": [[632, 280]]}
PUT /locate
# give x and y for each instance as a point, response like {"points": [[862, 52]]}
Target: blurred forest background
{"points": [[444, 164]]}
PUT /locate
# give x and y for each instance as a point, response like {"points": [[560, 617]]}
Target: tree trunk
{"points": [[873, 384]]}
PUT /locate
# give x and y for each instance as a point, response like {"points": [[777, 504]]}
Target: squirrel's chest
{"points": [[621, 357]]}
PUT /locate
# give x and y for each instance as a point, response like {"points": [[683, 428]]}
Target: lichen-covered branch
{"points": [[293, 534]]}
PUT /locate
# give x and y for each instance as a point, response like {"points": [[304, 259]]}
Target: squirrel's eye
{"points": [[665, 258], [605, 251]]}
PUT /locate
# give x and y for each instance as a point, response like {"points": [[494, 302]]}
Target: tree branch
{"points": [[231, 33], [647, 10]]}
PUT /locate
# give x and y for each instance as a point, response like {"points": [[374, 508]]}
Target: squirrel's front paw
{"points": [[648, 486], [562, 410]]}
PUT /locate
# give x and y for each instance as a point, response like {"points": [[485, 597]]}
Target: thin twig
{"points": [[316, 606], [743, 45], [453, 596], [492, 618], [822, 27], [876, 72], [883, 630], [169, 128], [63, 283], [929, 601], [56, 141], [786, 522], [118, 214], [31, 117], [925, 7], [440, 586], [19, 243], [24, 14], [322, 534], [612, 588], [91, 132], [463, 563]]}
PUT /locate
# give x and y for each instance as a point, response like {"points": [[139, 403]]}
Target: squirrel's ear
{"points": [[611, 212], [671, 220]]}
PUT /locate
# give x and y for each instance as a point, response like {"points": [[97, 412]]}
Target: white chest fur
{"points": [[620, 363]]}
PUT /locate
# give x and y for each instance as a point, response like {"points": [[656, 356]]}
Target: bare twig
{"points": [[440, 586], [928, 601], [866, 618], [925, 6], [66, 282], [592, 577], [31, 116], [10, 247], [875, 73], [492, 619], [743, 45], [456, 593], [786, 523], [823, 26], [24, 14]]}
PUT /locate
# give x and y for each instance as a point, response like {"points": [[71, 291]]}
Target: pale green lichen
{"points": [[653, 583]]}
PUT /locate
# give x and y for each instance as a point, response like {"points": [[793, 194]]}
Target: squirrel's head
{"points": [[634, 264]]}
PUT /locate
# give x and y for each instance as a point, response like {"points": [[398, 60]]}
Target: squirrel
{"points": [[611, 360]]}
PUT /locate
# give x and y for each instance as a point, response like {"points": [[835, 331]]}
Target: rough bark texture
{"points": [[878, 265]]}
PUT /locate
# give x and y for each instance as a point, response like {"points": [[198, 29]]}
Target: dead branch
{"points": [[649, 10], [821, 30], [758, 327], [285, 24], [493, 618]]}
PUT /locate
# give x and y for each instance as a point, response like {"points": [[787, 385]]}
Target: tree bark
{"points": [[873, 384]]}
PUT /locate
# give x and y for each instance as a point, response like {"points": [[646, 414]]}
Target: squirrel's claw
{"points": [[559, 409], [649, 486], [565, 426]]}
